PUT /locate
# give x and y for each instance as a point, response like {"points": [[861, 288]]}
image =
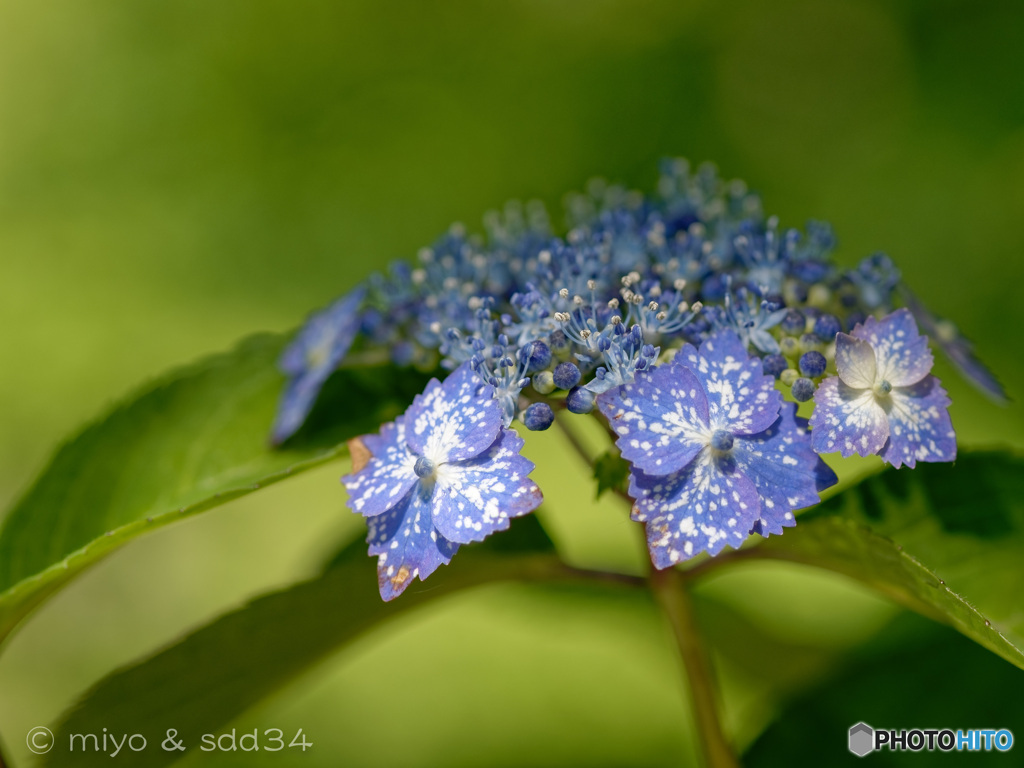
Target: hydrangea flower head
{"points": [[444, 473], [311, 358], [884, 400], [715, 454]]}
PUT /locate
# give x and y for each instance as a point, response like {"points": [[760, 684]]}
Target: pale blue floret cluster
{"points": [[684, 317]]}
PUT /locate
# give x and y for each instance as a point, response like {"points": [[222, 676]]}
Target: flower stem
{"points": [[575, 441], [670, 590]]}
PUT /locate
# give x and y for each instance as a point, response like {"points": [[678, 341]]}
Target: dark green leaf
{"points": [[931, 678], [192, 440], [611, 472], [943, 539]]}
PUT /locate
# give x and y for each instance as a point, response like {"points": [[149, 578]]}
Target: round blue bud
{"points": [[774, 365], [803, 390], [536, 355], [424, 467], [793, 323], [567, 376], [721, 440], [812, 364], [538, 417], [827, 326], [580, 400]]}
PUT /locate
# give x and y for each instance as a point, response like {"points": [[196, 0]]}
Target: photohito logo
{"points": [[863, 739]]}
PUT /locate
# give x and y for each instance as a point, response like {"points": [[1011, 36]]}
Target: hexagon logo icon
{"points": [[862, 739]]}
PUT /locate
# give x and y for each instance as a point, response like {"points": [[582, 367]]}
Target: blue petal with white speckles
{"points": [[475, 498], [741, 398], [704, 507], [902, 356], [661, 418], [388, 475], [919, 425], [847, 420], [785, 470], [454, 420], [406, 543], [310, 359]]}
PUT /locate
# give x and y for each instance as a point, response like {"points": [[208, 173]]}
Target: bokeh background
{"points": [[174, 176]]}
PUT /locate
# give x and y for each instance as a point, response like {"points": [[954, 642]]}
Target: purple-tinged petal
{"points": [[787, 474], [847, 420], [741, 399], [326, 336], [855, 362], [455, 420], [957, 348], [406, 543], [919, 425], [387, 476], [311, 358], [661, 418], [476, 497], [901, 353], [706, 506], [296, 402]]}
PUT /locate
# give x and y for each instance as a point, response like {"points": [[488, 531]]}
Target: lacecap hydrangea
{"points": [[687, 321]]}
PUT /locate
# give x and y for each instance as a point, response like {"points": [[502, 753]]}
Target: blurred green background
{"points": [[176, 175]]}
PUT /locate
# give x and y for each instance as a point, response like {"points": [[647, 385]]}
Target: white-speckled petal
{"points": [[788, 475], [661, 418], [902, 354], [919, 425], [475, 498], [406, 543], [847, 420], [453, 420], [855, 362], [741, 398], [387, 476], [703, 508]]}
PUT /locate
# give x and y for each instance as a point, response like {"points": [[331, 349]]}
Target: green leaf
{"points": [[217, 673], [611, 472], [945, 540], [918, 676], [192, 440]]}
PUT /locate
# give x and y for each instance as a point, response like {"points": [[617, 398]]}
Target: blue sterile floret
{"points": [[884, 400], [444, 473], [715, 453], [312, 357]]}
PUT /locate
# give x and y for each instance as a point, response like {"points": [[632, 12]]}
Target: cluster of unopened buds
{"points": [[688, 321]]}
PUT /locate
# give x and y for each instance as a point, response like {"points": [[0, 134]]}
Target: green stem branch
{"points": [[670, 590]]}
